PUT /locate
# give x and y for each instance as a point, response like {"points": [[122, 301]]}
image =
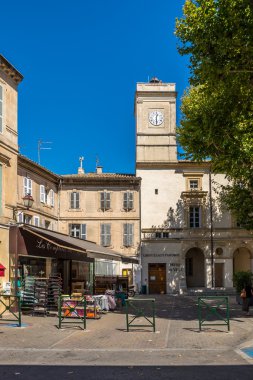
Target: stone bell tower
{"points": [[155, 112]]}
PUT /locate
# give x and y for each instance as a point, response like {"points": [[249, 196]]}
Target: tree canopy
{"points": [[217, 108]]}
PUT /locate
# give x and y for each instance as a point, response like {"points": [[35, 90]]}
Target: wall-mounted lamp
{"points": [[28, 202]]}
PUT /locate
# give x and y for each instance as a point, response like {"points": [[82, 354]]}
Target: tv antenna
{"points": [[40, 147]]}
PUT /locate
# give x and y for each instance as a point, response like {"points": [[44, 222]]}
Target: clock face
{"points": [[156, 117]]}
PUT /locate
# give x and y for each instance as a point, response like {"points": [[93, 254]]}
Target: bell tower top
{"points": [[155, 113]]}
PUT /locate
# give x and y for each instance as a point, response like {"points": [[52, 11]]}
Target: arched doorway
{"points": [[241, 260], [195, 268]]}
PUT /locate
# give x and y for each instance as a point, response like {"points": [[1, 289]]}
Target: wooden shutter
{"points": [[51, 197], [74, 200], [128, 201], [42, 193], [77, 200], [128, 234], [108, 201], [102, 200], [125, 201], [105, 235]]}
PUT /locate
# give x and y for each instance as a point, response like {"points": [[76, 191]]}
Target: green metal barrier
{"points": [[12, 305], [213, 311], [72, 309], [140, 308]]}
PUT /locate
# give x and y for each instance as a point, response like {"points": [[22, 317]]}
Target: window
{"points": [[193, 184], [51, 198], [105, 237], [128, 234], [78, 231], [27, 186], [194, 215], [36, 221], [47, 224], [74, 200], [1, 109], [128, 202], [105, 200], [156, 191], [27, 219], [162, 235], [20, 217], [43, 195]]}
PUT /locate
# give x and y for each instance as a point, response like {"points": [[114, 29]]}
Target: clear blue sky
{"points": [[81, 60]]}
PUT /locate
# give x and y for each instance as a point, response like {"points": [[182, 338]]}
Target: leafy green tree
{"points": [[217, 108]]}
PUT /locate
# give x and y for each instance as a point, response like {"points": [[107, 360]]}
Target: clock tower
{"points": [[155, 112]]}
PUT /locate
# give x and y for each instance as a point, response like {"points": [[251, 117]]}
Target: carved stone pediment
{"points": [[194, 196]]}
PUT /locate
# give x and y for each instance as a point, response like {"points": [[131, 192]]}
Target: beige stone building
{"points": [[9, 81], [85, 224], [96, 207], [187, 241], [77, 225]]}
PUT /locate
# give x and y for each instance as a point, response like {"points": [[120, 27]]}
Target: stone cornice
{"points": [[171, 165], [104, 181], [10, 70], [26, 163]]}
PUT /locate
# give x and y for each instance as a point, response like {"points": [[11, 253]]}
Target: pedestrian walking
{"points": [[246, 294]]}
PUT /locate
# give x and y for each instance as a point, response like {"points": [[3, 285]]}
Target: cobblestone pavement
{"points": [[177, 340]]}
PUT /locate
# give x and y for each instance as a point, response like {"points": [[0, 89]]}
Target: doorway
{"points": [[157, 278], [219, 275], [195, 268]]}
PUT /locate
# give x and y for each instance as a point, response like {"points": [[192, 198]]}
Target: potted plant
{"points": [[241, 279]]}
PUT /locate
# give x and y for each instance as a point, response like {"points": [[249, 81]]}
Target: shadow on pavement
{"points": [[126, 372]]}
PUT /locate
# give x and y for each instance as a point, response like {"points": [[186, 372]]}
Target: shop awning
{"points": [[60, 245]]}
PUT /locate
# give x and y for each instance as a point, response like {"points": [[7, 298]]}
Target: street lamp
{"points": [[28, 202]]}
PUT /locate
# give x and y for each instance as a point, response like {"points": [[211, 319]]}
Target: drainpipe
{"points": [[59, 202]]}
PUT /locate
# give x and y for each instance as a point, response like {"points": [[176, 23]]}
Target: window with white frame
{"points": [[194, 216], [128, 234], [20, 217], [75, 200], [1, 109], [78, 231], [36, 221], [43, 194], [105, 235], [50, 198], [105, 200], [128, 200], [27, 186], [194, 184]]}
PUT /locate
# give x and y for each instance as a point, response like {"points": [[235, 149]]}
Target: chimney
{"points": [[99, 169], [80, 169]]}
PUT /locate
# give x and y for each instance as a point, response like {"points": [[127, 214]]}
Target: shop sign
{"points": [[47, 246], [160, 254], [174, 267]]}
